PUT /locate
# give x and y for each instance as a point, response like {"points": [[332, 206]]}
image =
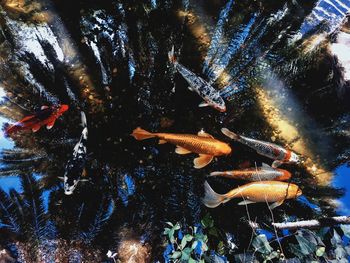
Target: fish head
{"points": [[294, 158], [221, 108], [225, 149], [70, 185], [293, 191], [286, 175]]}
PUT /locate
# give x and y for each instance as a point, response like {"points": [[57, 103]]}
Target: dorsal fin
{"points": [[265, 166], [202, 133]]}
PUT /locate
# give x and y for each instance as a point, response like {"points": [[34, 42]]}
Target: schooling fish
{"points": [[265, 191], [210, 95], [46, 116], [75, 167], [263, 173], [204, 144], [271, 150]]}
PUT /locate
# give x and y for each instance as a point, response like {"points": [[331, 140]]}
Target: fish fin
{"points": [[211, 199], [190, 88], [276, 163], [204, 134], [36, 128], [266, 167], [44, 107], [230, 134], [181, 150], [162, 141], [27, 118], [246, 202], [215, 173], [203, 104], [50, 124], [275, 204], [202, 160], [141, 134], [83, 119]]}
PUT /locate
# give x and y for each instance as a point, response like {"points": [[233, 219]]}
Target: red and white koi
{"points": [[278, 153]]}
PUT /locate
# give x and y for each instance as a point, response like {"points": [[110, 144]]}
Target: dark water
{"points": [[284, 72]]}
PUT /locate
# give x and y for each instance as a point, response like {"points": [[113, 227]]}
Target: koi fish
{"points": [[279, 154], [46, 116], [210, 95], [75, 167], [263, 173], [257, 192], [203, 144]]}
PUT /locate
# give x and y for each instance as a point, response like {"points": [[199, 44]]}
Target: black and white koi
{"points": [[278, 153], [210, 95], [75, 167]]}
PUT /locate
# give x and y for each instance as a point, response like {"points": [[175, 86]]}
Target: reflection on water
{"points": [[279, 66]]}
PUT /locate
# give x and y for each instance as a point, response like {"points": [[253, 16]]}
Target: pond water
{"points": [[282, 68]]}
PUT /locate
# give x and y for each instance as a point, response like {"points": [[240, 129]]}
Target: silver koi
{"points": [[210, 95], [278, 153]]}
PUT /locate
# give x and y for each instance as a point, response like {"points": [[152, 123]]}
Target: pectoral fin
{"points": [[181, 150], [162, 141], [275, 204], [276, 163], [203, 104], [246, 202], [50, 124], [204, 134], [36, 128], [202, 161]]}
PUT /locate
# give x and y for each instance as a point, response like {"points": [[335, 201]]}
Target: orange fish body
{"points": [[257, 192], [263, 173], [203, 144], [45, 117]]}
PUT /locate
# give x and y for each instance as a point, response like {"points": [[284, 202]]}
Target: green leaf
{"points": [[305, 246], [320, 251], [183, 243], [166, 231], [191, 260], [221, 248], [176, 254], [346, 230], [261, 244], [186, 254], [207, 221], [177, 226], [194, 244], [171, 235], [188, 237], [204, 247], [213, 232]]}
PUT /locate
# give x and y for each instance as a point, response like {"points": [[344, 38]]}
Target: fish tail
{"points": [[230, 134], [171, 55], [141, 134], [211, 198], [83, 119]]}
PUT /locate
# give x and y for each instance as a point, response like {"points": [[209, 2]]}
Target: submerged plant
{"points": [[191, 244]]}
